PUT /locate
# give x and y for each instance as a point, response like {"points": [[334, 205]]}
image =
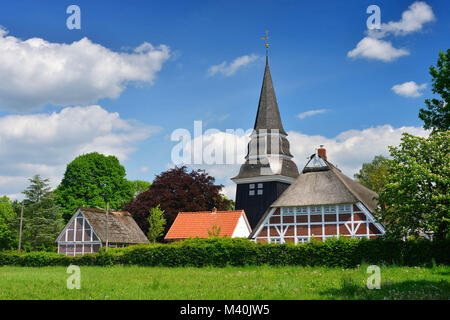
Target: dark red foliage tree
{"points": [[176, 190]]}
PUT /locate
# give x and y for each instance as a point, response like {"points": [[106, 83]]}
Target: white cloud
{"points": [[348, 150], [46, 143], [41, 72], [229, 69], [372, 48], [412, 20], [229, 191], [409, 89], [310, 113]]}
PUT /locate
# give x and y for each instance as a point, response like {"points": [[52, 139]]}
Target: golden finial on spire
{"points": [[266, 39]]}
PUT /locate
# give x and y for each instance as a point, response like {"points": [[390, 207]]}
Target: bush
{"points": [[220, 252]]}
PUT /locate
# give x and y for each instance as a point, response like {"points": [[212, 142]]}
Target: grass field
{"points": [[224, 283]]}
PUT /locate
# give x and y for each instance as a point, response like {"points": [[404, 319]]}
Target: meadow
{"points": [[252, 282]]}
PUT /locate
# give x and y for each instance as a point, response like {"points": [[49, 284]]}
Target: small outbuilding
{"points": [[87, 231], [202, 224]]}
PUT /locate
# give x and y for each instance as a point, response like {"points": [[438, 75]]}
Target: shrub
{"points": [[220, 252]]}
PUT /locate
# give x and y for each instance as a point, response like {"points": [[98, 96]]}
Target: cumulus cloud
{"points": [[229, 69], [412, 20], [409, 89], [348, 150], [46, 143], [372, 47], [310, 113], [41, 72]]}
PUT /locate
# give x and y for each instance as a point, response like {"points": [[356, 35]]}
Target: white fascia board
{"points": [[272, 210], [372, 219], [271, 178], [67, 225]]}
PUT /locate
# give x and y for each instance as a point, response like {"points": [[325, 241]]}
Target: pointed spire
{"points": [[268, 116]]}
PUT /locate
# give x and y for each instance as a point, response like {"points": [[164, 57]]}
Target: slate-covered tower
{"points": [[268, 169]]}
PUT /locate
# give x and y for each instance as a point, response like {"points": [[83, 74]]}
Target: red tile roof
{"points": [[197, 224]]}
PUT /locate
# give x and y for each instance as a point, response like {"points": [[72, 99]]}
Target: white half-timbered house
{"points": [[321, 203], [87, 232]]}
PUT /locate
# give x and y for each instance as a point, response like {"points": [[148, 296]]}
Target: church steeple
{"points": [[268, 169], [268, 115]]}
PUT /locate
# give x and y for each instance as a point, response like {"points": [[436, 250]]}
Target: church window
{"points": [[344, 208], [251, 191], [260, 189], [330, 209], [316, 209], [301, 210], [288, 211], [302, 239]]}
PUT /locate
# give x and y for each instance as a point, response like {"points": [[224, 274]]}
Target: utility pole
{"points": [[20, 227], [107, 228]]}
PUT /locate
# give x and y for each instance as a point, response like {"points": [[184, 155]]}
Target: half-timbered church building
{"points": [[283, 205], [322, 203]]}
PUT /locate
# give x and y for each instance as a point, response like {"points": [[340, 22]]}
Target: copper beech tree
{"points": [[177, 190]]}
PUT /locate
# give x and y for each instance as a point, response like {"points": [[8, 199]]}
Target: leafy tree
{"points": [[232, 205], [177, 190], [437, 117], [156, 223], [214, 232], [373, 175], [7, 214], [416, 196], [139, 186], [42, 215], [92, 180]]}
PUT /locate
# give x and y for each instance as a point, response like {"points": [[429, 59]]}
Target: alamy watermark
{"points": [[229, 147], [74, 280], [374, 280], [374, 21], [74, 20]]}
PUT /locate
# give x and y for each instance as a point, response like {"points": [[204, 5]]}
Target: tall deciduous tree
{"points": [[416, 197], [92, 180], [437, 114], [139, 186], [156, 223], [177, 190], [373, 174], [7, 214]]}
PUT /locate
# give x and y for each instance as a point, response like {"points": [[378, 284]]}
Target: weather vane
{"points": [[266, 39]]}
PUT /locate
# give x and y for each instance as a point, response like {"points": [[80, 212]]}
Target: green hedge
{"points": [[221, 252]]}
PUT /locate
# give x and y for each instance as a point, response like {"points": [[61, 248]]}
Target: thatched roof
{"points": [[323, 184], [121, 226]]}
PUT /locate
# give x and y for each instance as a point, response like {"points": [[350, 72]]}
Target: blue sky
{"points": [[361, 114]]}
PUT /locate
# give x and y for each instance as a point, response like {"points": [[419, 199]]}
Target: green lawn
{"points": [[224, 283]]}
